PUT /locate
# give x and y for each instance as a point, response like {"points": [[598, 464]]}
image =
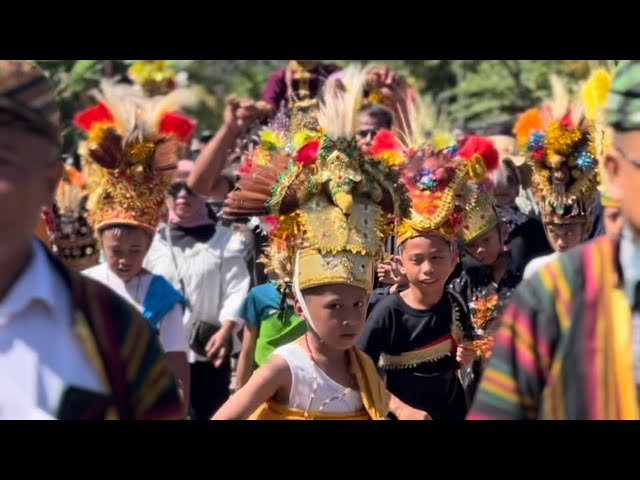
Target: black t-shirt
{"points": [[478, 278], [431, 384]]}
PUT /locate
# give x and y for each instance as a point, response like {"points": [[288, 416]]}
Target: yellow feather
{"points": [[594, 92], [442, 140], [302, 137], [269, 139]]}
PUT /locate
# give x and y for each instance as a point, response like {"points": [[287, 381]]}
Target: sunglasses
{"points": [[176, 187], [365, 133]]}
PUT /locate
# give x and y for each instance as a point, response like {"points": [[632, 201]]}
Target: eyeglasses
{"points": [[176, 187], [633, 161]]}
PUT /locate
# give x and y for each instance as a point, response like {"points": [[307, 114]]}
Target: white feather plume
{"points": [[559, 97], [117, 97], [69, 198], [139, 116], [339, 106]]}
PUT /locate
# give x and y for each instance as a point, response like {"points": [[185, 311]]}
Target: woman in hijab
{"points": [[206, 262]]}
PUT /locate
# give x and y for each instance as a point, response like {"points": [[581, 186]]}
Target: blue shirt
{"points": [[261, 302]]}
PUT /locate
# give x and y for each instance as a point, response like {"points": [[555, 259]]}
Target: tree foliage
{"points": [[467, 92]]}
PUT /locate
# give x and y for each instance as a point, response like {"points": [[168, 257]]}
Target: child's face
{"points": [[613, 221], [506, 196], [125, 251], [338, 312], [562, 236], [427, 262], [486, 248]]}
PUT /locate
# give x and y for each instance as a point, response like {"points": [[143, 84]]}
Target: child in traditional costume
{"points": [[131, 157], [486, 286], [332, 204], [419, 336], [561, 148]]}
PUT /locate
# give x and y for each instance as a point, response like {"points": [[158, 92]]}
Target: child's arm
{"points": [[271, 379], [179, 366], [405, 412], [246, 360]]}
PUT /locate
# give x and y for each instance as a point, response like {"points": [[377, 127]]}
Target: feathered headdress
{"points": [[333, 203], [131, 153], [70, 234], [561, 144], [440, 176], [441, 186]]}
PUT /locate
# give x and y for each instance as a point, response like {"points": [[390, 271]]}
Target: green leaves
{"points": [[464, 91]]}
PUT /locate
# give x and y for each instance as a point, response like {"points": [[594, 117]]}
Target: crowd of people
{"points": [[323, 255]]}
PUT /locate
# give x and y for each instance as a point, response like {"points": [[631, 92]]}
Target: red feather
{"points": [[483, 147], [90, 116], [566, 121], [383, 141], [307, 154], [177, 124]]}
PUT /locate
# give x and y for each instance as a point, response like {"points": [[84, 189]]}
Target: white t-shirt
{"points": [[40, 353], [170, 327], [214, 275]]}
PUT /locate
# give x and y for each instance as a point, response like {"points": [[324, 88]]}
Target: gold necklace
{"points": [[315, 384]]}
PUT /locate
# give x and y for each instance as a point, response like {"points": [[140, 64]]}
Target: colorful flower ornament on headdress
{"points": [[563, 147], [130, 154], [441, 186], [334, 203], [71, 236]]}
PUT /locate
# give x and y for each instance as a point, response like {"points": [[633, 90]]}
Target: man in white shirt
{"points": [[66, 348]]}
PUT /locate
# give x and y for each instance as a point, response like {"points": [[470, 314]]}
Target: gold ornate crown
{"points": [[130, 154], [480, 217], [331, 205], [70, 234], [562, 140]]}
